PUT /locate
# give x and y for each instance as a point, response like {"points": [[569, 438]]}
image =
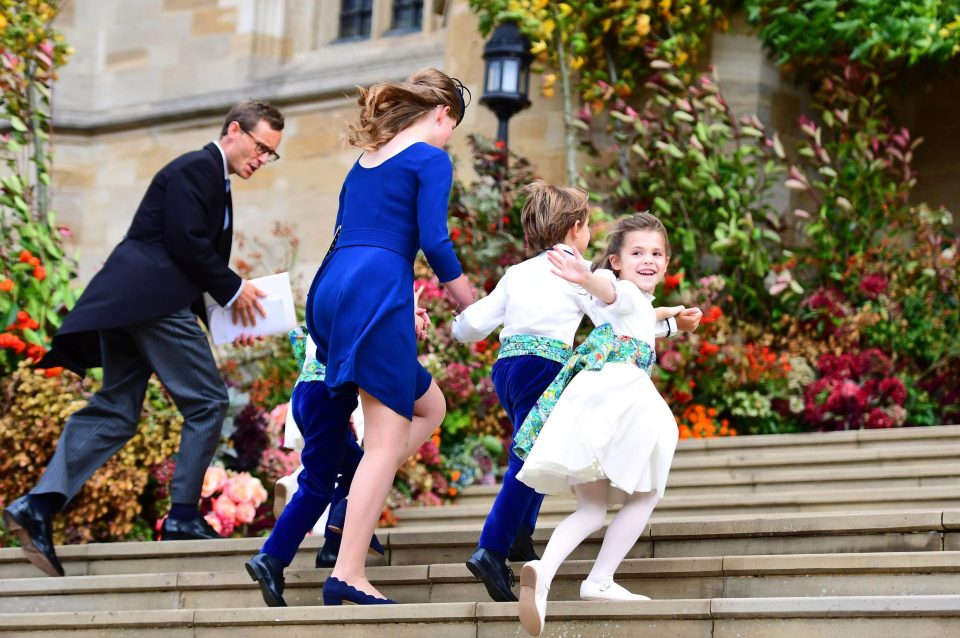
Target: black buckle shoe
{"points": [[268, 572], [496, 576], [33, 531], [194, 529], [522, 550]]}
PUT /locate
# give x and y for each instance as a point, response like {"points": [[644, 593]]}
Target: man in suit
{"points": [[138, 317]]}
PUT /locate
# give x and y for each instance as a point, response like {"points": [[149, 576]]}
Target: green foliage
{"points": [[707, 173], [854, 172], [809, 34], [35, 273]]}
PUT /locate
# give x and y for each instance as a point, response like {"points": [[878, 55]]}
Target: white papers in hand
{"points": [[278, 304]]}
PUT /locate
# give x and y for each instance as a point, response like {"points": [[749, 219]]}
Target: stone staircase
{"points": [[853, 534]]}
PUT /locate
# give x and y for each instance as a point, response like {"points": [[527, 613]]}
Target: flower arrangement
{"points": [[230, 500]]}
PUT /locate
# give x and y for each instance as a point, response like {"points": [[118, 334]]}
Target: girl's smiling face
{"points": [[642, 259]]}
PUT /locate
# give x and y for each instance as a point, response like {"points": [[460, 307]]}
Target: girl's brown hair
{"points": [[551, 211], [640, 221], [387, 108]]}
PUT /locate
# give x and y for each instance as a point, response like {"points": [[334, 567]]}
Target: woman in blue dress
{"points": [[393, 204]]}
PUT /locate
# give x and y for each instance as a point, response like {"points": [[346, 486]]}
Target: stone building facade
{"points": [[151, 79]]}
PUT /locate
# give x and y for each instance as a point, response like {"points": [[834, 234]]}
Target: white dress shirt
{"points": [[530, 300], [226, 218]]}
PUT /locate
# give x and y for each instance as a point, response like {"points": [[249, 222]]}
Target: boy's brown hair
{"points": [[550, 212], [639, 221]]}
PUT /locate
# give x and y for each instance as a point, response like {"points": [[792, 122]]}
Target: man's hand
{"points": [[689, 319], [247, 340], [247, 304], [569, 267]]}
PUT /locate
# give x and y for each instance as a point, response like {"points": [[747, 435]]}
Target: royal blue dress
{"points": [[360, 304]]}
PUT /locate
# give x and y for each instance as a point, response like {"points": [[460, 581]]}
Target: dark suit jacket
{"points": [[176, 249]]}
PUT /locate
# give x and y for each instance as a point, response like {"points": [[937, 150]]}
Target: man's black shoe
{"points": [[268, 572], [522, 550], [327, 555], [496, 576], [196, 528], [33, 531]]}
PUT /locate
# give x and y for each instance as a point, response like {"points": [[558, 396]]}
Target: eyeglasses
{"points": [[262, 149]]}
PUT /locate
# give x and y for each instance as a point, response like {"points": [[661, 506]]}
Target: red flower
{"points": [[873, 285], [711, 315], [53, 372], [455, 234], [500, 144], [877, 418], [893, 387], [708, 349], [35, 352], [672, 281], [481, 346], [34, 261], [40, 273], [6, 285], [25, 256]]}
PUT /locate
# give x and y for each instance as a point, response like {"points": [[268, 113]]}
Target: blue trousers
{"points": [[519, 382], [329, 450]]}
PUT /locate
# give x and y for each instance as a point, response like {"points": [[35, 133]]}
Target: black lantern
{"points": [[507, 77]]}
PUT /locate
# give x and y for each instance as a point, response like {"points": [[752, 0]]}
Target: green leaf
{"points": [[18, 124], [662, 205], [715, 192]]}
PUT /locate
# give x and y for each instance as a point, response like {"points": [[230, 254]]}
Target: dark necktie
{"points": [[226, 216]]}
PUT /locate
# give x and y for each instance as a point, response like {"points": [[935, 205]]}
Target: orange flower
{"points": [[53, 372], [6, 285], [452, 491], [455, 475], [34, 261], [40, 273], [25, 256]]}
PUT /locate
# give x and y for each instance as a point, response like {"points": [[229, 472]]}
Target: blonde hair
{"points": [[550, 212], [639, 221], [387, 108]]}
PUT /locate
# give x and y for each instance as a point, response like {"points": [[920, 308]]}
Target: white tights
{"points": [[622, 533]]}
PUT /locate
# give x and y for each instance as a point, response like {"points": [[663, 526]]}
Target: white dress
{"points": [[609, 423]]}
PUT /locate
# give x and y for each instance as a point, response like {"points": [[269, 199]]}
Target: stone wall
{"points": [[153, 78]]}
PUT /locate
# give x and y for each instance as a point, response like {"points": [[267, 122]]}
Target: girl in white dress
{"points": [[608, 434]]}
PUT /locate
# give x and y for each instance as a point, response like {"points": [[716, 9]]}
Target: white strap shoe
{"points": [[533, 599], [607, 590]]}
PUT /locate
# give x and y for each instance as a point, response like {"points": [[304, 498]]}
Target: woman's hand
{"points": [[421, 318]]}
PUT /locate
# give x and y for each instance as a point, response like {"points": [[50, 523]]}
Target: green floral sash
{"points": [[519, 345], [601, 347], [313, 370]]}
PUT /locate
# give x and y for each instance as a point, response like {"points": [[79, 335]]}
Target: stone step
{"points": [[749, 481], [910, 436], [665, 537], [556, 509], [879, 574], [793, 617], [813, 459]]}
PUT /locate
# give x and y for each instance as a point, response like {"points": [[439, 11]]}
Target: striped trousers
{"points": [[176, 349]]}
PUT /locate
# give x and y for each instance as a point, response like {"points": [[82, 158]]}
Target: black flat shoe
{"points": [[268, 572], [194, 529], [522, 550], [33, 531], [496, 576]]}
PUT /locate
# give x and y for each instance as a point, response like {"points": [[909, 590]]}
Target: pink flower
{"points": [[240, 488], [213, 480], [245, 513], [215, 523], [225, 508], [670, 361]]}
